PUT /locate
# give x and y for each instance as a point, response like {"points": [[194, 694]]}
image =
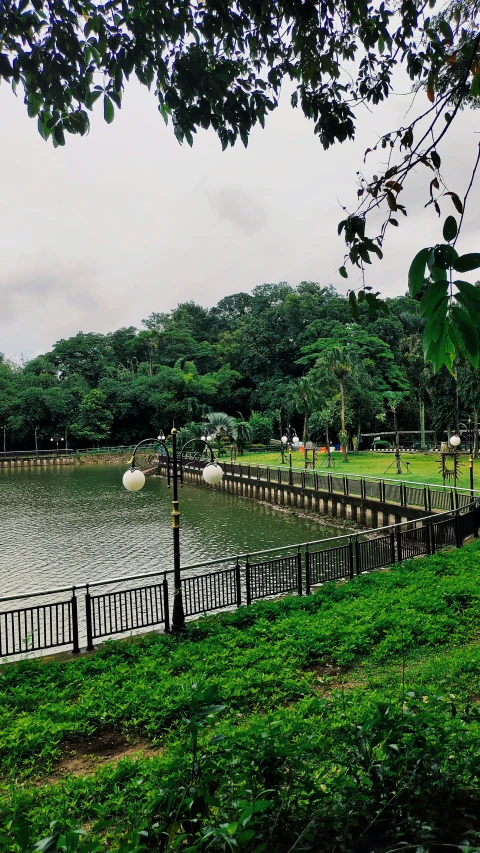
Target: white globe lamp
{"points": [[284, 439], [133, 480], [212, 473], [455, 440], [295, 441]]}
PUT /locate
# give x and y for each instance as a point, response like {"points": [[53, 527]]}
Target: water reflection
{"points": [[77, 523]]}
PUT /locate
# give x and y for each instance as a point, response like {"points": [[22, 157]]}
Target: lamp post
{"points": [[470, 456], [56, 440], [134, 480]]}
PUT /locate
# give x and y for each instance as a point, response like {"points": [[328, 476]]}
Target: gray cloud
{"points": [[125, 221], [239, 208]]}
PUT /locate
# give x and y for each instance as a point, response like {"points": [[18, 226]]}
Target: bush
{"points": [[261, 426]]}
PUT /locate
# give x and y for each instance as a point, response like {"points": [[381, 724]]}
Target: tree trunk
{"points": [[342, 413], [36, 441], [422, 424], [475, 433], [305, 427]]}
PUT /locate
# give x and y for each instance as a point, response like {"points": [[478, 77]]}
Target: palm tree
{"points": [[219, 426], [244, 435], [302, 394], [338, 361]]}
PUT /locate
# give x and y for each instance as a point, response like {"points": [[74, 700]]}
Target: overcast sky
{"points": [[126, 221]]}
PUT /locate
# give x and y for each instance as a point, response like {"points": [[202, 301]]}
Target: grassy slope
{"points": [[424, 468], [355, 710]]}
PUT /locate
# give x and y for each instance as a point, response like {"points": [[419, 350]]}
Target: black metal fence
{"points": [[123, 610], [38, 625], [405, 493]]}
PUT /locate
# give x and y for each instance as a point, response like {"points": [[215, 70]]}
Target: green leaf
{"points": [[469, 334], [352, 299], [445, 256], [466, 263], [433, 297], [475, 87], [436, 321], [450, 229], [343, 272], [435, 159], [108, 110], [438, 353], [436, 273], [416, 273], [470, 294], [58, 134]]}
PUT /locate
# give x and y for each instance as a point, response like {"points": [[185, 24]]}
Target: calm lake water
{"points": [[77, 523]]}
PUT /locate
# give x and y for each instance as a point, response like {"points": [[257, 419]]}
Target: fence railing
{"points": [[425, 496], [45, 620]]}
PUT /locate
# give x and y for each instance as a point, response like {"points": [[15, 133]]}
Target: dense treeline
{"points": [[282, 353]]}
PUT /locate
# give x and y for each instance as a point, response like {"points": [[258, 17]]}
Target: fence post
{"points": [[329, 480], [362, 487], [392, 545], [357, 555], [307, 570], [315, 480], [238, 588], [258, 473], [425, 499], [299, 572], [452, 500], [476, 512], [345, 485], [429, 499], [382, 491], [76, 647], [432, 537], [456, 499], [399, 544], [302, 477], [247, 582], [290, 477], [88, 618], [428, 528], [458, 531], [351, 563], [279, 476], [166, 606], [402, 494]]}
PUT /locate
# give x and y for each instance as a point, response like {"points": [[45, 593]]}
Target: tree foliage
{"points": [[297, 329]]}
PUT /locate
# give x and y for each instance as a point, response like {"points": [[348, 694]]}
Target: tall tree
{"points": [[94, 418], [338, 361], [303, 394]]}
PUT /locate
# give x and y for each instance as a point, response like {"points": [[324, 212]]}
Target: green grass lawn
{"points": [[424, 467], [348, 720]]}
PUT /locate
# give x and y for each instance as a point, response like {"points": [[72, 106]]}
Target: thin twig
{"points": [[466, 194]]}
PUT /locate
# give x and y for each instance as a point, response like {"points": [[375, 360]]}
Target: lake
{"points": [[73, 524]]}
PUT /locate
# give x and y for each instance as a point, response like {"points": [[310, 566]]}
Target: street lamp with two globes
{"points": [[134, 480]]}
